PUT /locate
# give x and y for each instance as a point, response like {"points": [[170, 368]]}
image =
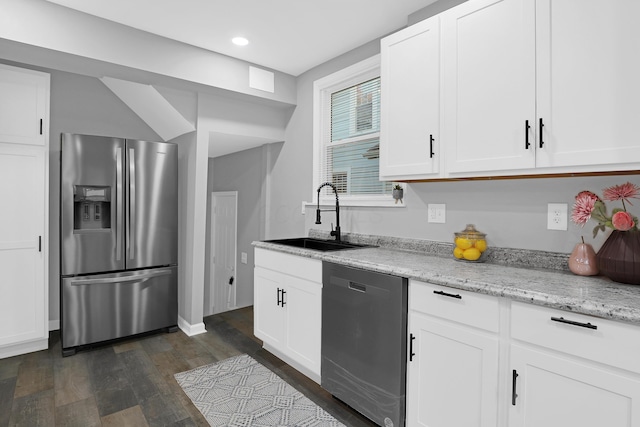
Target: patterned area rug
{"points": [[241, 392]]}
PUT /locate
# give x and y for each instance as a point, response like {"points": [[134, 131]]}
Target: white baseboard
{"points": [[190, 329], [23, 348]]}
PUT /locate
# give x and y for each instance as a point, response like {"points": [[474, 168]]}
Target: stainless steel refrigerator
{"points": [[118, 238]]}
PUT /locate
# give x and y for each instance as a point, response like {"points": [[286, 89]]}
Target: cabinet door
{"points": [[588, 85], [554, 391], [303, 303], [453, 377], [268, 313], [410, 102], [23, 288], [24, 99], [489, 85]]}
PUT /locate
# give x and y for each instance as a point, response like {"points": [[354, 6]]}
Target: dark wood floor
{"points": [[131, 383]]}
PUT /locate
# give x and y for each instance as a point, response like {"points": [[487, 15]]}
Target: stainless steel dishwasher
{"points": [[364, 341]]}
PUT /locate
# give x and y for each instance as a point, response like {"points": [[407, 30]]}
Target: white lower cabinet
{"points": [[288, 308], [452, 376], [558, 391], [477, 360], [569, 369]]}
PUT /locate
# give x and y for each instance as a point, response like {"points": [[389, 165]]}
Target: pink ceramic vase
{"points": [[582, 260]]}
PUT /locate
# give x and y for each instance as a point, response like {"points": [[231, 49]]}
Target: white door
{"points": [[268, 309], [452, 376], [489, 85], [410, 109], [588, 83], [303, 303], [23, 106], [555, 391], [23, 310], [222, 283]]}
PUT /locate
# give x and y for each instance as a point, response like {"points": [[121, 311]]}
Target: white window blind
{"points": [[350, 141]]}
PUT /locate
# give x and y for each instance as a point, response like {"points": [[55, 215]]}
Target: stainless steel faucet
{"points": [[335, 232]]}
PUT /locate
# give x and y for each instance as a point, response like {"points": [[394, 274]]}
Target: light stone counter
{"points": [[433, 263]]}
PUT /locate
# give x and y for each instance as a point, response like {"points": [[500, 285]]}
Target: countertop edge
{"points": [[469, 282]]}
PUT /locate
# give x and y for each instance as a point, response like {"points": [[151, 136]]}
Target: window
{"points": [[346, 136]]}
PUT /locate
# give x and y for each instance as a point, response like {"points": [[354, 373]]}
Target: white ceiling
{"points": [[291, 36]]}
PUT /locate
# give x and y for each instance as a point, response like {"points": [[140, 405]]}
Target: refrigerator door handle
{"points": [[122, 279], [119, 203], [131, 225]]}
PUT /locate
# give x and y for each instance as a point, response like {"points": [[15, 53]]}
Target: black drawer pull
{"points": [[573, 322], [411, 353], [448, 295], [526, 134], [279, 301], [514, 395], [540, 126], [283, 301]]}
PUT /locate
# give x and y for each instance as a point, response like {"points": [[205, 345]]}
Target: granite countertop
{"points": [[550, 287]]}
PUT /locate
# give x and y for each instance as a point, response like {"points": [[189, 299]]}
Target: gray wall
{"points": [[85, 105], [512, 212], [244, 172]]}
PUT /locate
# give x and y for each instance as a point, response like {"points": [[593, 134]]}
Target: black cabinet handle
{"points": [[526, 134], [283, 301], [448, 295], [431, 153], [514, 395], [574, 323], [411, 353], [40, 126], [540, 126], [279, 290], [39, 243]]}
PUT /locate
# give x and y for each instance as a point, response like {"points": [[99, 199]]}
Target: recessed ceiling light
{"points": [[240, 41]]}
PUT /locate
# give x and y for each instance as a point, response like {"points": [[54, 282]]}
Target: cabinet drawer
{"points": [[293, 265], [477, 310], [601, 340]]}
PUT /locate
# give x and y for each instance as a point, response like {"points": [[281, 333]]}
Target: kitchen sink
{"points": [[318, 244]]}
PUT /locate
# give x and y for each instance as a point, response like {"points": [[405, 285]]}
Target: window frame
{"points": [[322, 89]]}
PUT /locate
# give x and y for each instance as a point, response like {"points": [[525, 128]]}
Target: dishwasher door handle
{"points": [[357, 287]]}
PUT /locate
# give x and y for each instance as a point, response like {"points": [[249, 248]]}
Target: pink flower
{"points": [[622, 221], [583, 206], [621, 192]]}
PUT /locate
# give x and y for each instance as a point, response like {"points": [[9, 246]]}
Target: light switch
{"points": [[243, 257], [436, 213]]}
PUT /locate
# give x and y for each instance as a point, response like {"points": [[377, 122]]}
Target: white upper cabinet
{"points": [[588, 83], [489, 85], [524, 87], [23, 106], [410, 102]]}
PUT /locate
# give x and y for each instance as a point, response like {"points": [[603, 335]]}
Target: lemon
{"points": [[481, 245], [463, 243], [457, 252], [471, 254]]}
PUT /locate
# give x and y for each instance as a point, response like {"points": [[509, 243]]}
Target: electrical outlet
{"points": [[243, 257], [557, 216], [436, 213]]}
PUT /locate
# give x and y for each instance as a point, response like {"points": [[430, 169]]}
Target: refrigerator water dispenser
{"points": [[91, 207]]}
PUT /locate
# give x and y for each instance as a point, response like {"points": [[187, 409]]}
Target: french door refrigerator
{"points": [[118, 238]]}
